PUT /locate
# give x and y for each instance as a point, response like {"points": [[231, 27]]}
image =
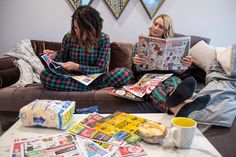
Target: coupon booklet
{"points": [[57, 69], [162, 54], [117, 129]]}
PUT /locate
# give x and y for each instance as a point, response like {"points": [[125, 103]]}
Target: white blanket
{"points": [[29, 64]]}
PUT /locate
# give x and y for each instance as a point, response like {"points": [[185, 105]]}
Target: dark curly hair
{"points": [[89, 22]]}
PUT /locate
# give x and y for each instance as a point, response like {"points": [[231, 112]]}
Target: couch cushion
{"points": [[120, 55], [194, 39], [17, 97]]}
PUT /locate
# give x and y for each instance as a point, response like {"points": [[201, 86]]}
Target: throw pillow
{"points": [[223, 56], [227, 58], [203, 54]]}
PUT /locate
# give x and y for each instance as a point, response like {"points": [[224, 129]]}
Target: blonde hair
{"points": [[168, 27]]}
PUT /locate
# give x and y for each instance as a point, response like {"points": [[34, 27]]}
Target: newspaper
{"points": [[54, 145], [93, 149], [57, 69], [60, 145], [162, 54], [146, 84], [123, 93], [131, 151]]}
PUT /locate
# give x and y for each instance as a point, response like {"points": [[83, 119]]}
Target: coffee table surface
{"points": [[200, 147]]}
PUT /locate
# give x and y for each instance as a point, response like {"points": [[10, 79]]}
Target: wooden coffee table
{"points": [[200, 147]]}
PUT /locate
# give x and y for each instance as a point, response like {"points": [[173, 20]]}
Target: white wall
{"points": [[50, 20]]}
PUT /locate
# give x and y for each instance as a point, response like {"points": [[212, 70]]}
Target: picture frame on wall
{"points": [[76, 3], [152, 6], [117, 6]]}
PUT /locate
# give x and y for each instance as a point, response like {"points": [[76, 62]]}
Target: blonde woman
{"points": [[172, 95]]}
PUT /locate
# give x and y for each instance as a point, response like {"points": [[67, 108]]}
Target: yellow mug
{"points": [[182, 131]]}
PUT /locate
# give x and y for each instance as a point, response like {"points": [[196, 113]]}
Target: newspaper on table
{"points": [[57, 69], [130, 151], [47, 146], [162, 54], [64, 144], [93, 149], [146, 84]]}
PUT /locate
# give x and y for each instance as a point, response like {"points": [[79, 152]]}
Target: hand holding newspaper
{"points": [[57, 69], [162, 54]]}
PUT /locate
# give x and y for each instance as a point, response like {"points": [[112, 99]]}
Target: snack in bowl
{"points": [[152, 132]]}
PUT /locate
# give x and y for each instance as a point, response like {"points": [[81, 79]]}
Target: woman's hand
{"points": [[187, 61], [51, 54], [70, 66], [137, 60]]}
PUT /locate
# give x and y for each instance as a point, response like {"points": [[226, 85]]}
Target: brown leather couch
{"points": [[13, 98]]}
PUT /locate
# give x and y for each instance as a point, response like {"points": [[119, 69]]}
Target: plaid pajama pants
{"points": [[160, 93], [115, 78]]}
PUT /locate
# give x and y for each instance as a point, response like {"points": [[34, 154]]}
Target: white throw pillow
{"points": [[224, 57], [204, 54]]}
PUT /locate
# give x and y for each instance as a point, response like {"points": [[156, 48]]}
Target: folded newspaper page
{"points": [[55, 145], [162, 54], [146, 84], [123, 93], [57, 69]]}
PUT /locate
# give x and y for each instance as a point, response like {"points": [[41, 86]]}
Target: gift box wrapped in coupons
{"points": [[48, 113]]}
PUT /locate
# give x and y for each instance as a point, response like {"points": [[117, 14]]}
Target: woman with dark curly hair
{"points": [[85, 50]]}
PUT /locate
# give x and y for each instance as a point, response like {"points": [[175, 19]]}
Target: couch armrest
{"points": [[9, 73]]}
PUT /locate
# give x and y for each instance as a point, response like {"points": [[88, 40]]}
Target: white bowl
{"points": [[152, 132]]}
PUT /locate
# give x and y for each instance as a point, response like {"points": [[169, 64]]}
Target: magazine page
{"points": [[17, 147], [146, 84], [120, 125], [176, 49], [93, 149], [117, 129], [55, 145], [162, 54], [91, 118], [152, 50], [54, 66], [84, 131], [131, 150], [123, 93], [86, 79], [57, 69]]}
